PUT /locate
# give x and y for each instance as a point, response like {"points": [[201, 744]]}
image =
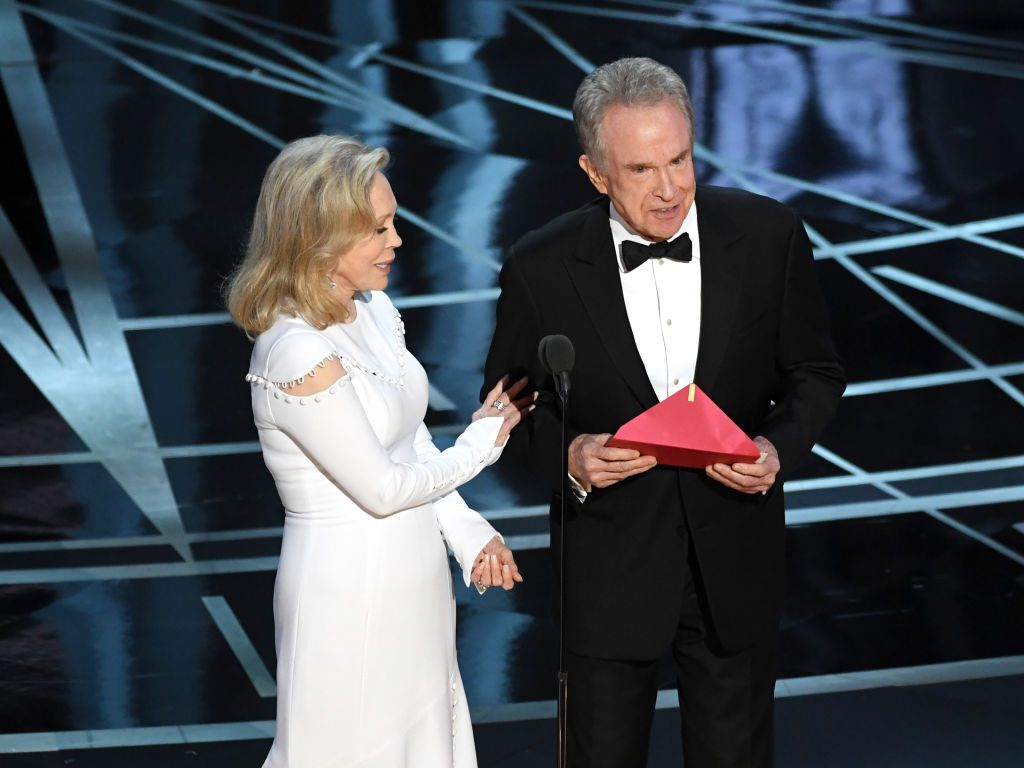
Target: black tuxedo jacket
{"points": [[764, 339]]}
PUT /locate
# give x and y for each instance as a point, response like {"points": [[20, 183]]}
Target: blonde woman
{"points": [[363, 606]]}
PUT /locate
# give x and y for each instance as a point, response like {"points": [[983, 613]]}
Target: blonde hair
{"points": [[314, 205]]}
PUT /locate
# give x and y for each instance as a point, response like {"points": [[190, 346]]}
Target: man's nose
{"points": [[664, 185]]}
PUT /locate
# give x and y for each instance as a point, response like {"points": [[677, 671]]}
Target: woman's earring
{"points": [[331, 283]]}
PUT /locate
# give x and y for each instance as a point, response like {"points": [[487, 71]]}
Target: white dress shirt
{"points": [[663, 305]]}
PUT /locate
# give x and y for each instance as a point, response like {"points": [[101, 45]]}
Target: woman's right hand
{"points": [[508, 404]]}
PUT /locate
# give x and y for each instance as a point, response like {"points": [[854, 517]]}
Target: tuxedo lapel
{"points": [[595, 274], [721, 273]]}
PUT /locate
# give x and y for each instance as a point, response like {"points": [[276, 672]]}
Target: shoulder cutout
{"points": [[296, 355], [320, 377]]}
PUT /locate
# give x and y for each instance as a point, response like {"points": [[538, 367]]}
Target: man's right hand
{"points": [[595, 466]]}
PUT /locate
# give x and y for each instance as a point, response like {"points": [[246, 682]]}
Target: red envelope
{"points": [[686, 430]]}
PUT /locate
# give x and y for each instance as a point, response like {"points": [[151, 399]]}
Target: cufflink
{"points": [[577, 490]]}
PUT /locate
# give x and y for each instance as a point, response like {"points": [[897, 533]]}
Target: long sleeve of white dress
{"points": [[465, 530], [332, 429]]}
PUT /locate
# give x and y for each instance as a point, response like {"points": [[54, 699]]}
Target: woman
{"points": [[363, 607]]}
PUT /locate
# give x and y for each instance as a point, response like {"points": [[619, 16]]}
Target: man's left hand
{"points": [[749, 478]]}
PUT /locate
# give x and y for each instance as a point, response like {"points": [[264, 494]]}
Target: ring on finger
{"points": [[498, 405], [480, 587]]}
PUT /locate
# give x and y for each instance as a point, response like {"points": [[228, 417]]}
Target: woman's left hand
{"points": [[495, 566]]}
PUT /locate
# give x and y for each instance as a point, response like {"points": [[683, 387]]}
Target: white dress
{"points": [[363, 608]]}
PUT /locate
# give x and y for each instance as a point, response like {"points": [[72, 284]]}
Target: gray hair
{"points": [[633, 81]]}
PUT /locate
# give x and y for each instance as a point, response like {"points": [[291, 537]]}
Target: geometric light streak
{"points": [[958, 232], [953, 295], [880, 21], [94, 387], [904, 475], [927, 380], [157, 322], [439, 401], [795, 516], [964, 63], [553, 40], [901, 504], [911, 239], [108, 738], [128, 542], [262, 21], [387, 109], [905, 504], [254, 60], [206, 733], [177, 569], [926, 325], [473, 85], [863, 680], [958, 43], [246, 125], [172, 451], [335, 84], [148, 72], [927, 674], [165, 452], [931, 505], [61, 337], [235, 635], [933, 46], [334, 98]]}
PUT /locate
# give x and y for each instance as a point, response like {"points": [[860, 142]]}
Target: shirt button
{"points": [[661, 261], [675, 381], [669, 321]]}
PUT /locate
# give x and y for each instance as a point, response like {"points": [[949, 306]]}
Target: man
{"points": [[661, 558]]}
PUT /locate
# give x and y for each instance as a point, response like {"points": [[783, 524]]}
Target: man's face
{"points": [[648, 166]]}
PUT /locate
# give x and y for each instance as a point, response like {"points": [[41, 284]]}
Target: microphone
{"points": [[557, 355]]}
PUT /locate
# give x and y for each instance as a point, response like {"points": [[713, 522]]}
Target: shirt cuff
{"points": [[577, 490]]}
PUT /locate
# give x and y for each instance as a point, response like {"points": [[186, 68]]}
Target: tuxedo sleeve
{"points": [[811, 377], [513, 352]]}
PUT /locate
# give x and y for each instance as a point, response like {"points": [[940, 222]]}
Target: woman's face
{"points": [[366, 266]]}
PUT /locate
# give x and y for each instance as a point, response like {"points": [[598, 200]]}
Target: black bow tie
{"points": [[634, 254]]}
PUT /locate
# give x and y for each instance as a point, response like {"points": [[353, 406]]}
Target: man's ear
{"points": [[594, 174]]}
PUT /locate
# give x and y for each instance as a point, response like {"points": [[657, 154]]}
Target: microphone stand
{"points": [[562, 386]]}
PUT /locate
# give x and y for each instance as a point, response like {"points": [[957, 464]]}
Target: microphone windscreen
{"points": [[556, 354]]}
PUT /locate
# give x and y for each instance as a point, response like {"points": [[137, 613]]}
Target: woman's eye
{"points": [[381, 230]]}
